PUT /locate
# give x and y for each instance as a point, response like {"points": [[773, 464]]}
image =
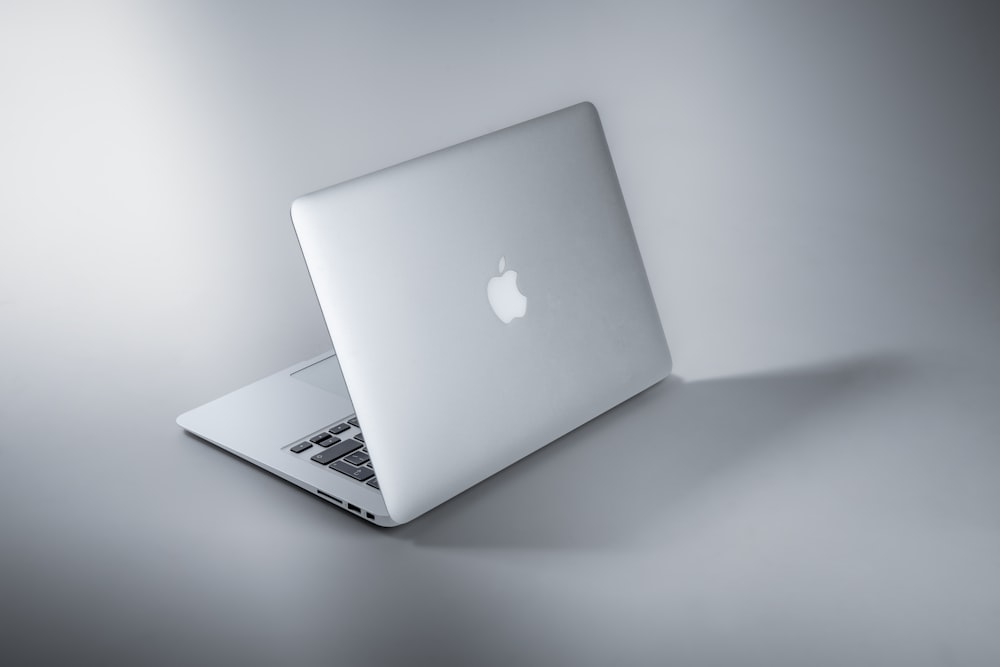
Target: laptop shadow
{"points": [[618, 478]]}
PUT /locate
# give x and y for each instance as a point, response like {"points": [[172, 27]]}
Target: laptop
{"points": [[482, 300]]}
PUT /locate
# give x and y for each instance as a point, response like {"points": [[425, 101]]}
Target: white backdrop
{"points": [[814, 189]]}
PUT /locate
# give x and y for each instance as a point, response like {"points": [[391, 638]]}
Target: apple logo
{"points": [[505, 298]]}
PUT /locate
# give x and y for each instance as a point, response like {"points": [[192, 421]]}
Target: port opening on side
{"points": [[327, 495], [353, 508]]}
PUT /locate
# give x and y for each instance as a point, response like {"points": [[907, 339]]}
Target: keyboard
{"points": [[341, 447]]}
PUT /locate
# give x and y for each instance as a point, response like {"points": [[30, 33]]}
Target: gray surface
{"points": [[814, 191]]}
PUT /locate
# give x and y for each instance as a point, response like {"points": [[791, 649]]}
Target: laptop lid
{"points": [[483, 300]]}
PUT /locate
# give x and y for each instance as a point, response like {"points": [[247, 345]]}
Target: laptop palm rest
{"points": [[325, 375], [259, 419]]}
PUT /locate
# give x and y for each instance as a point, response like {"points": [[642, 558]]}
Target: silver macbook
{"points": [[482, 300]]}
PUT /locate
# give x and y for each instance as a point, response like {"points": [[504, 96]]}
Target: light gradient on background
{"points": [[814, 187]]}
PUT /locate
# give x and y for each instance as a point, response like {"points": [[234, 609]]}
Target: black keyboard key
{"points": [[353, 421], [373, 482], [357, 458], [339, 428], [324, 457], [360, 474], [328, 442], [338, 450], [319, 438], [360, 437], [301, 447]]}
